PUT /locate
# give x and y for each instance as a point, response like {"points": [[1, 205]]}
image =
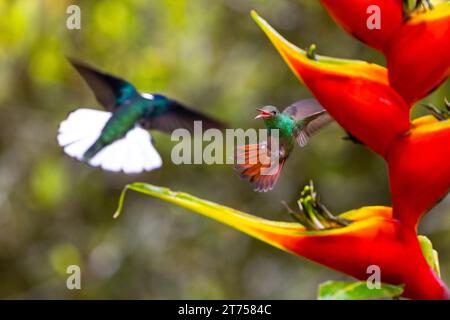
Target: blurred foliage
{"points": [[209, 54], [359, 290]]}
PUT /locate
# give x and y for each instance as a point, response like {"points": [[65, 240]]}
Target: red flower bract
{"points": [[358, 97], [419, 168], [374, 238], [353, 15], [418, 53], [355, 93], [417, 48]]}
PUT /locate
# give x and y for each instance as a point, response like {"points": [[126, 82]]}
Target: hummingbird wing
{"points": [[307, 127], [110, 91], [303, 108], [316, 122], [133, 153], [257, 164], [177, 116], [310, 117]]}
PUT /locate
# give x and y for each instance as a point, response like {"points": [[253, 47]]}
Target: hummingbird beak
{"points": [[263, 114]]}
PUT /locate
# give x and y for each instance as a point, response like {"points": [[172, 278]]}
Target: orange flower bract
{"points": [[356, 93], [373, 103], [359, 98], [374, 238]]}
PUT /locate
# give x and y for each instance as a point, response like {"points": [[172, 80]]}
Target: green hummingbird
{"points": [[118, 139], [295, 125]]}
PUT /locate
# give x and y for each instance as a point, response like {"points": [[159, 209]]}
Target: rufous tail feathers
{"points": [[254, 163]]}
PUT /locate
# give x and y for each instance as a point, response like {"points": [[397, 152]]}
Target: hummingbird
{"points": [[296, 124], [118, 139]]}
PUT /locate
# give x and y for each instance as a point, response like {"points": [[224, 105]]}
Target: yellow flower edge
{"points": [[254, 226], [342, 67]]}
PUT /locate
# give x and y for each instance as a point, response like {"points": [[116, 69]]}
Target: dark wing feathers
{"points": [[304, 108], [318, 123], [178, 116], [108, 90], [311, 116], [112, 91]]}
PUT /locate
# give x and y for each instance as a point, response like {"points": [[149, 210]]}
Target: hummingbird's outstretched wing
{"points": [[257, 164], [177, 116], [316, 122], [310, 125], [133, 153], [310, 116], [110, 91], [303, 108]]}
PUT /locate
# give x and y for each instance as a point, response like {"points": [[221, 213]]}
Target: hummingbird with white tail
{"points": [[118, 139], [296, 124]]}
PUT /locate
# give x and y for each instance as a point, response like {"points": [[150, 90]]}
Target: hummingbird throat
{"points": [[283, 123]]}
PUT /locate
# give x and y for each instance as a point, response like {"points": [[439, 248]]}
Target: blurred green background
{"points": [[55, 211]]}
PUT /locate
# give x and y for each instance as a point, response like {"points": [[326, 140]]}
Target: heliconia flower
{"points": [[360, 17], [356, 93], [373, 238], [419, 168], [418, 54]]}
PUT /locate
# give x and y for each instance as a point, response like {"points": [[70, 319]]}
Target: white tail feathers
{"points": [[133, 153]]}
